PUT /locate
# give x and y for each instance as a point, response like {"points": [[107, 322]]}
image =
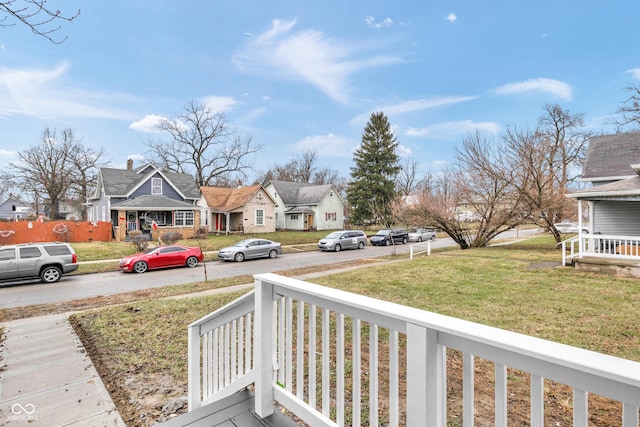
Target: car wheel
{"points": [[192, 261], [419, 239], [239, 257], [140, 267], [387, 242], [337, 248], [404, 240], [433, 237], [273, 253], [361, 245], [50, 274]]}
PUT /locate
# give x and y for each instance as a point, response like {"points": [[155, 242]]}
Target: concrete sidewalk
{"points": [[47, 379]]}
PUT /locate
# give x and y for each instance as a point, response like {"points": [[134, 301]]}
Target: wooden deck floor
{"points": [[234, 411]]}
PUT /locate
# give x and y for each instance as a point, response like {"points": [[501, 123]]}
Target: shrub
{"points": [[170, 237], [139, 240], [201, 233]]}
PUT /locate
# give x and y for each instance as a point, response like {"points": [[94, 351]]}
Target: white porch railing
{"points": [[319, 353], [420, 245], [601, 245]]}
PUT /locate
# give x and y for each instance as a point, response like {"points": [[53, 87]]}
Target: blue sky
{"points": [[298, 75]]}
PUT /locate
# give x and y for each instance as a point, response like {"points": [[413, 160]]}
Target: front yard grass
{"points": [[519, 287]]}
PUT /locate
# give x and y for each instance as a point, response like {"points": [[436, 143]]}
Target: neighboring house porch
{"points": [[334, 358]]}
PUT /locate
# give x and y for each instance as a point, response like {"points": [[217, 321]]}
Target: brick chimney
{"points": [[130, 164]]}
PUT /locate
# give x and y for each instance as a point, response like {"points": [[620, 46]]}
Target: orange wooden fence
{"points": [[54, 231]]}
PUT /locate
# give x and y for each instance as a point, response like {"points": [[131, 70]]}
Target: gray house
{"points": [[302, 206], [612, 203], [15, 209], [146, 199]]}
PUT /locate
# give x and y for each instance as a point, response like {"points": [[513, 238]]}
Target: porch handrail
{"points": [[289, 313], [601, 245]]}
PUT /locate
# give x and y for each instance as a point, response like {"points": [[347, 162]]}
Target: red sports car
{"points": [[162, 257]]}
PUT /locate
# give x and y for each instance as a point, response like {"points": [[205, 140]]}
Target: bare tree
{"points": [[407, 177], [303, 168], [36, 15], [203, 144], [629, 110], [84, 175], [50, 167]]}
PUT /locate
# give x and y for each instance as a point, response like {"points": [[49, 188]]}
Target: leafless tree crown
{"points": [[36, 15]]}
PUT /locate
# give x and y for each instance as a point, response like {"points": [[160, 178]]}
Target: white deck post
{"points": [[424, 387], [193, 371], [264, 348]]}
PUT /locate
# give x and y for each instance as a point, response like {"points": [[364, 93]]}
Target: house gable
{"points": [[609, 157]]}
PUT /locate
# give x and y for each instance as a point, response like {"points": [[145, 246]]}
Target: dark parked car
{"points": [[345, 239], [383, 237], [162, 257], [250, 248], [47, 261]]}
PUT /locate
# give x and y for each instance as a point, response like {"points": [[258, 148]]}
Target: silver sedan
{"points": [[250, 248], [421, 234]]}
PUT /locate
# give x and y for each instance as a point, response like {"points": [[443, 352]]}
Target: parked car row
{"points": [[357, 239]]}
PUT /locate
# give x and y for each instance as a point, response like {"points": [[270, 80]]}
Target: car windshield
{"points": [[152, 250], [243, 243], [383, 233], [414, 230], [334, 235]]}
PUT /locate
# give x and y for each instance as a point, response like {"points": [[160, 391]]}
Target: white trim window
{"points": [[183, 218], [156, 186], [260, 217]]}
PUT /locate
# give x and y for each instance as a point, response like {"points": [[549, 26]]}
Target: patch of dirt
{"points": [[543, 265]]}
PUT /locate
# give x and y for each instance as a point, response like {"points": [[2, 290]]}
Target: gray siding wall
{"points": [[616, 217]]}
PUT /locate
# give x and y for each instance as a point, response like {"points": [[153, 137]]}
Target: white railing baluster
{"points": [[300, 352], [373, 375], [281, 328], [394, 375], [629, 415], [468, 395], [580, 408], [537, 401], [501, 395], [326, 374], [241, 346], [340, 359], [312, 356], [356, 365], [289, 345], [234, 347]]}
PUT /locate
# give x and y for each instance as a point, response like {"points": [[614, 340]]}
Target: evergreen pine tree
{"points": [[372, 186]]}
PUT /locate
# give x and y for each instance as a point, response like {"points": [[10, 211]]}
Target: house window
{"points": [[294, 217], [156, 186], [330, 216], [183, 218], [159, 217], [259, 216]]}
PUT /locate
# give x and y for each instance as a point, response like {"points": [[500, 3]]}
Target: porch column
{"points": [[264, 348], [580, 241]]}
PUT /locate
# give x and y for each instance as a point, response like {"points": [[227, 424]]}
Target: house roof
{"points": [[154, 203], [623, 188], [609, 157], [227, 199], [121, 182], [299, 193]]}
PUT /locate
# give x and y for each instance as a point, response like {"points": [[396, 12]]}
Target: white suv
{"points": [[47, 261]]}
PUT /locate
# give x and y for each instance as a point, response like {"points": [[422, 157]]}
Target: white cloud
{"points": [[452, 17], [445, 130], [328, 145], [635, 73], [410, 106], [219, 104], [404, 151], [150, 123], [371, 22], [308, 55], [554, 87], [41, 93]]}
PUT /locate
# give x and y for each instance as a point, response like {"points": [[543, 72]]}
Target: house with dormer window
{"points": [[146, 199]]}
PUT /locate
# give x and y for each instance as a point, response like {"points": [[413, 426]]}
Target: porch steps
{"points": [[233, 411]]}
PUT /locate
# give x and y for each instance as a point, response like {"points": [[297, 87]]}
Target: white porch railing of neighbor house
{"points": [[600, 245], [335, 358]]}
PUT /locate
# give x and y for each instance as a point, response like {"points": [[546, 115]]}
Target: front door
{"points": [[309, 223], [132, 220]]}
